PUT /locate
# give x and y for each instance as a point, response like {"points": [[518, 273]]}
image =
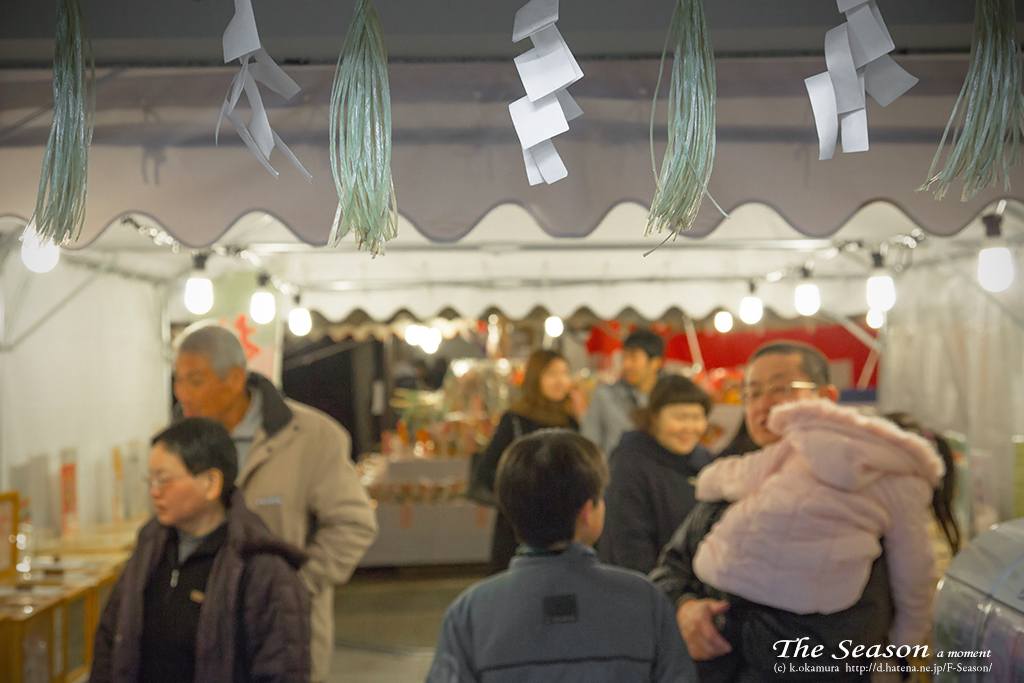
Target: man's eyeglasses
{"points": [[775, 392], [160, 482]]}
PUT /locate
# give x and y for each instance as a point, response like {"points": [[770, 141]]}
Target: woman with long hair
{"points": [[544, 401], [946, 527]]}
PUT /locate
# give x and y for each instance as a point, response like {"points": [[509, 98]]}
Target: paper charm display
{"points": [[858, 61], [242, 42], [546, 71]]}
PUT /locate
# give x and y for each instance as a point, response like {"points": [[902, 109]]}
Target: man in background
{"points": [[612, 405], [294, 463]]}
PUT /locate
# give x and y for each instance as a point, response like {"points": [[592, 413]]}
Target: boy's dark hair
{"points": [[646, 341], [812, 361], [544, 480], [203, 444], [669, 390]]}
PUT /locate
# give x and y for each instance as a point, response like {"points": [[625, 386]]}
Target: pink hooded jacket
{"points": [[811, 510]]}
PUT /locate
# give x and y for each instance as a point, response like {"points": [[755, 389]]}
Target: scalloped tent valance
{"points": [[456, 156]]}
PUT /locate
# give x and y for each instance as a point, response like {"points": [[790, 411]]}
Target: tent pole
{"points": [[863, 337], [691, 339], [11, 346]]}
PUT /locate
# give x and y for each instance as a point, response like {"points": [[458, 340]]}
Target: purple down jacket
{"points": [[254, 624]]}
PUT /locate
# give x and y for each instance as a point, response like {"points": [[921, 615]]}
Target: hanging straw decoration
{"points": [[989, 113], [686, 168], [60, 204], [361, 136]]}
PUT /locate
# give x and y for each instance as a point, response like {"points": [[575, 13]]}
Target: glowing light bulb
{"points": [[553, 326], [751, 310], [300, 322], [38, 255], [875, 318], [807, 299], [995, 269], [262, 308], [881, 293], [723, 321], [198, 295], [414, 334]]}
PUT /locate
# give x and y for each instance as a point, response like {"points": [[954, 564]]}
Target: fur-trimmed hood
{"points": [[870, 447]]}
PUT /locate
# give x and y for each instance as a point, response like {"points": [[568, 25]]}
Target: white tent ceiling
{"points": [[474, 234]]}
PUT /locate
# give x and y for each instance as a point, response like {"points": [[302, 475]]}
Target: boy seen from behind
{"points": [[557, 613]]}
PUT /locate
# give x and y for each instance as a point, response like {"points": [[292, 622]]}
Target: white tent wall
{"points": [[954, 357], [91, 377]]}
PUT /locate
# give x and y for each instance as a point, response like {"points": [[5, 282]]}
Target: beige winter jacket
{"points": [[300, 480]]}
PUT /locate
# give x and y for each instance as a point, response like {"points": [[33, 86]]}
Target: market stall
{"points": [[473, 234]]}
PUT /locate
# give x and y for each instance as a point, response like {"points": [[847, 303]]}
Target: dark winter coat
{"points": [[648, 497], [755, 628], [254, 619]]}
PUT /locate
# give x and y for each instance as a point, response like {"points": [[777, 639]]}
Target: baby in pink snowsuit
{"points": [[810, 510]]}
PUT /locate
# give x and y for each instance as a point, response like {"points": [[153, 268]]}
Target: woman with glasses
{"points": [[652, 471], [209, 594]]}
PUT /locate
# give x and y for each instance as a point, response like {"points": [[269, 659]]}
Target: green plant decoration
{"points": [[60, 204], [988, 117], [686, 168], [360, 136]]}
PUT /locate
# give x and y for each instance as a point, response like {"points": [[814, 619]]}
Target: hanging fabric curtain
{"points": [[360, 136]]}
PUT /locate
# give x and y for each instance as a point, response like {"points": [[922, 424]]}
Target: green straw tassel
{"points": [[988, 116], [361, 136], [60, 204], [686, 168]]}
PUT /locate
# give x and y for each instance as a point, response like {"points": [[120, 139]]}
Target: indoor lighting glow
{"points": [[995, 263], [995, 269], [881, 292], [39, 256], [723, 321], [875, 318], [198, 289], [414, 334], [808, 299], [430, 340], [553, 326], [300, 322], [198, 295], [263, 308], [751, 308]]}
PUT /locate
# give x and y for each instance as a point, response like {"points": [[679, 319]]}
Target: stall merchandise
{"points": [[418, 481]]}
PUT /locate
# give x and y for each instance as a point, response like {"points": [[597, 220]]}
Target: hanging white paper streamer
{"points": [[858, 62], [242, 42], [546, 71]]}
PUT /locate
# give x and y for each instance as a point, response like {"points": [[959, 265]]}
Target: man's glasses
{"points": [[161, 483], [775, 392]]}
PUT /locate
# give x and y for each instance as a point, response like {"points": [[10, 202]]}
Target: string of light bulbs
{"points": [[880, 292], [199, 288]]}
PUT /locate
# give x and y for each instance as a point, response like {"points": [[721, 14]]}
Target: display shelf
{"points": [[423, 533]]}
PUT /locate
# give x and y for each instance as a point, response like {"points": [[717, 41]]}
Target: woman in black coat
{"points": [[209, 593], [652, 471], [544, 402]]}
